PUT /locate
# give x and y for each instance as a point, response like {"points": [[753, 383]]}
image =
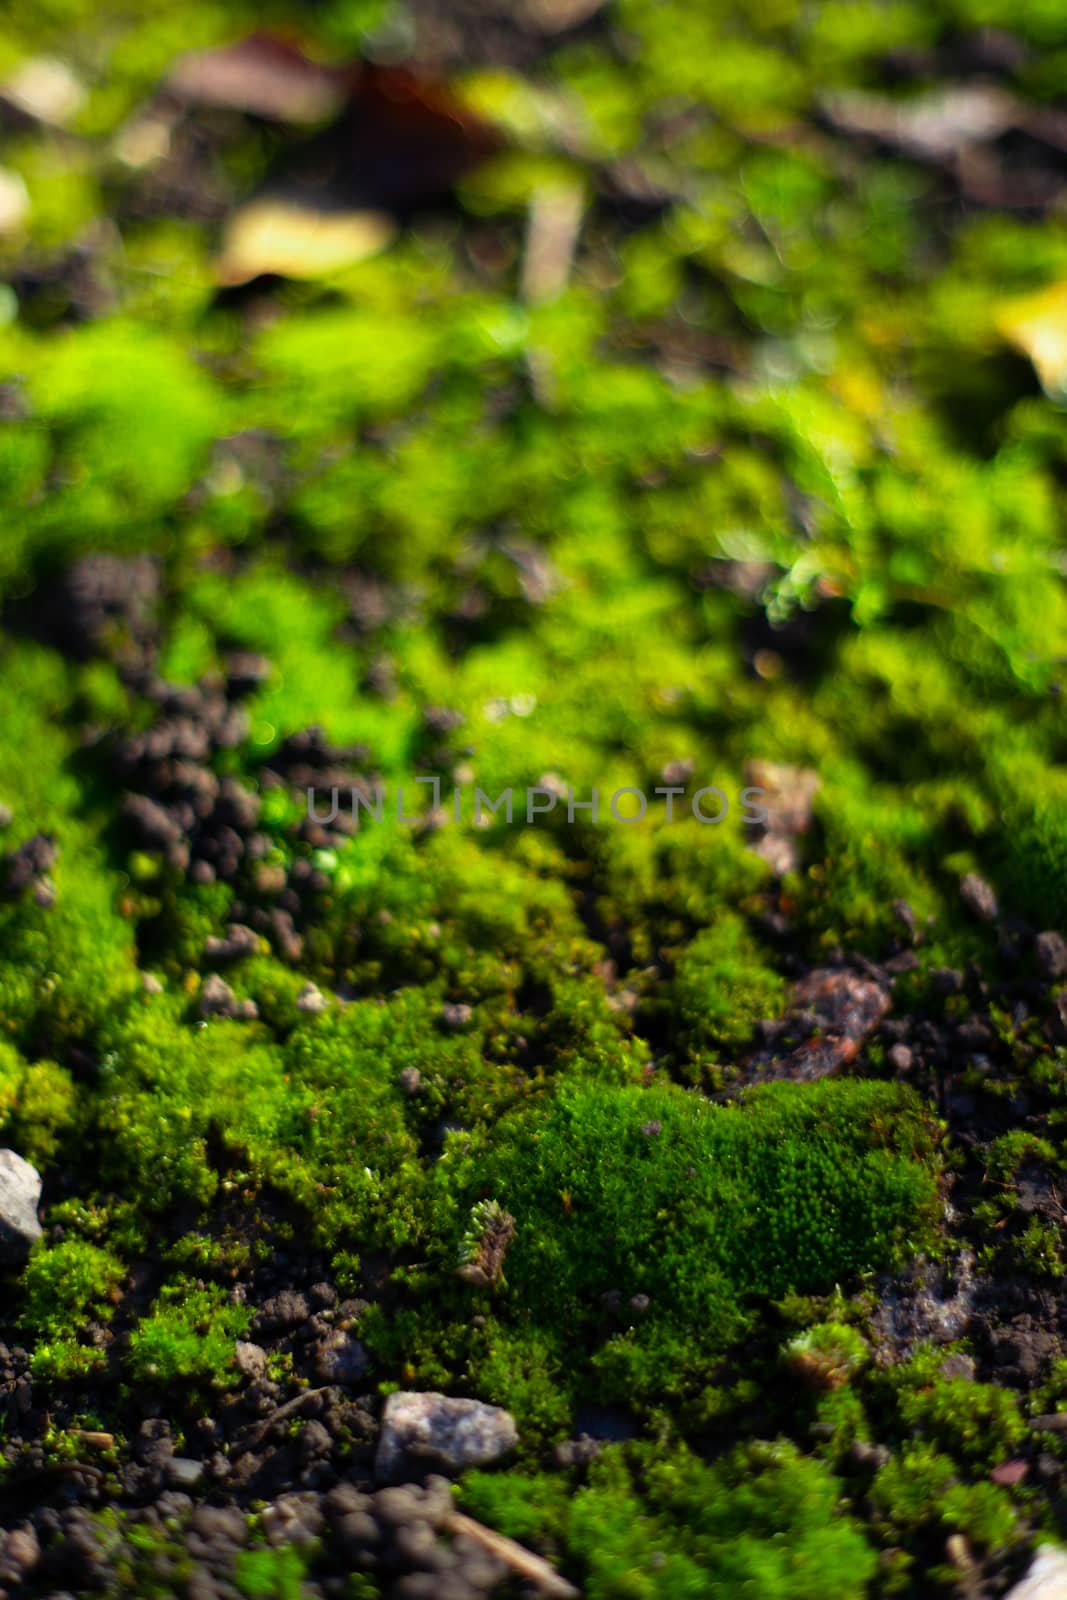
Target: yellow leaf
{"points": [[273, 235], [14, 202], [1037, 325]]}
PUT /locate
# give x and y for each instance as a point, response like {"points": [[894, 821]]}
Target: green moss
{"points": [[1033, 848], [65, 1361], [1039, 1250], [1013, 1150], [271, 1574], [721, 989], [64, 1287], [130, 420], [188, 1337], [526, 1372], [656, 1193], [764, 1518], [46, 1113], [825, 1356], [922, 1483], [975, 1423], [762, 480]]}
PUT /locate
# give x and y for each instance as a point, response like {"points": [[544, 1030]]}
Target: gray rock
{"points": [[311, 1000], [239, 941], [979, 897], [283, 1311], [869, 1455], [292, 1519], [20, 1191], [249, 1359], [455, 1016], [1046, 1579], [428, 1429], [787, 797], [1049, 1422], [344, 1499], [21, 1553], [219, 1524], [1050, 953], [959, 1366], [217, 999], [315, 1441], [341, 1358], [182, 1472]]}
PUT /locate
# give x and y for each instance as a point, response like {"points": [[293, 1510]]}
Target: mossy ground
{"points": [[763, 481]]}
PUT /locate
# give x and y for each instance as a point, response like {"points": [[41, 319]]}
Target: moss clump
{"points": [[1033, 850], [46, 1112], [133, 404], [826, 1356], [974, 1423], [525, 1371], [721, 989], [922, 1481], [188, 1337], [656, 1199], [765, 1519], [65, 1286], [269, 1574]]}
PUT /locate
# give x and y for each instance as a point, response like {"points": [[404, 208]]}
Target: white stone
{"points": [[14, 201], [46, 89], [1047, 1577], [20, 1191], [438, 1431]]}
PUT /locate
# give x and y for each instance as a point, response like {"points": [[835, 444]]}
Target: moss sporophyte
{"points": [[708, 804]]}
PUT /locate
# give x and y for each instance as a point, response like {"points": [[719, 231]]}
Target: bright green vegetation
{"points": [[826, 1356], [763, 481], [271, 1574], [654, 1193], [63, 1287], [189, 1334], [763, 1518]]}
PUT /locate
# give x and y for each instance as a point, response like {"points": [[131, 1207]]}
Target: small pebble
{"points": [[182, 1472], [979, 897], [454, 1017], [250, 1360], [1049, 1422], [1050, 954], [311, 1000]]}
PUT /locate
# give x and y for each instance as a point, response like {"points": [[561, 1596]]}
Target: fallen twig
{"points": [[554, 222], [257, 1431], [516, 1556]]}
